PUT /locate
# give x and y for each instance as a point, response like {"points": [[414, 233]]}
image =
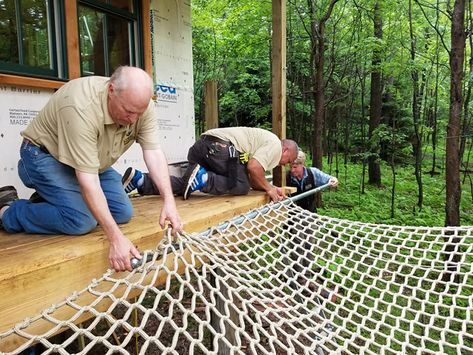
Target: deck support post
{"points": [[278, 60]]}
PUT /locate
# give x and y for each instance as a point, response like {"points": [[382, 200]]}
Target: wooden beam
{"points": [[278, 59], [72, 39], [147, 46], [289, 190], [30, 82], [211, 104]]}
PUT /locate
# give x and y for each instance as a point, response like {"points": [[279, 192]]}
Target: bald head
{"points": [[131, 79], [289, 151], [129, 94]]}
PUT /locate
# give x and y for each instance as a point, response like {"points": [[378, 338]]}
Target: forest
{"points": [[378, 94]]}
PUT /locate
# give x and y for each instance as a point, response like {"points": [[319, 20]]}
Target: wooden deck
{"points": [[38, 271]]}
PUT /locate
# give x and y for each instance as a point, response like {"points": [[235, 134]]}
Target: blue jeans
{"points": [[62, 209], [215, 159]]}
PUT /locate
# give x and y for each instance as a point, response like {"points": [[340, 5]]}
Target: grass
{"points": [[374, 205], [390, 315]]}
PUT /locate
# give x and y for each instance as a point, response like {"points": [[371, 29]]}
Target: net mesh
{"points": [[279, 280]]}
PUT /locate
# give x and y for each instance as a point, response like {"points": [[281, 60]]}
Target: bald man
{"points": [[227, 160], [67, 154]]}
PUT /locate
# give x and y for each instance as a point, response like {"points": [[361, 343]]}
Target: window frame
{"points": [[134, 25], [56, 39], [70, 46]]}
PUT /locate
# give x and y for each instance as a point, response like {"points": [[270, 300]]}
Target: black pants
{"points": [[214, 156]]}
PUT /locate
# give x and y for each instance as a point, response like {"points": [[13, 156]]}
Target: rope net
{"points": [[280, 280]]}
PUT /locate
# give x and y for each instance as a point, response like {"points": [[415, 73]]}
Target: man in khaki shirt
{"points": [[226, 161], [67, 153]]}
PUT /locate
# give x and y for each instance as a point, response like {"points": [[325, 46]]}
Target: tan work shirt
{"points": [[76, 128], [258, 143]]}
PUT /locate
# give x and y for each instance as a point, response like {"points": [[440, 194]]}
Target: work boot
{"points": [[8, 194]]}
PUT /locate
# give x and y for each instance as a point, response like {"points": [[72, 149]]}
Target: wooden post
{"points": [[278, 59], [230, 333], [72, 39], [211, 104], [147, 45]]}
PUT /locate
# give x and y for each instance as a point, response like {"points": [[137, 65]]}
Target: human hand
{"points": [[333, 182], [119, 253], [169, 213], [276, 194]]}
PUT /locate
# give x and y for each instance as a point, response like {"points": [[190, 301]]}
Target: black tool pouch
{"points": [[232, 167]]}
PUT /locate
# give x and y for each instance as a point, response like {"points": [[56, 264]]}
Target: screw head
{"points": [[135, 262]]}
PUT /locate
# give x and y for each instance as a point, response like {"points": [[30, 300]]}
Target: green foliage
{"points": [[243, 100], [374, 205], [395, 144], [232, 44]]}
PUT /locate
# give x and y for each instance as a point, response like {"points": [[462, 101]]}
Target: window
{"points": [[29, 39], [108, 35]]}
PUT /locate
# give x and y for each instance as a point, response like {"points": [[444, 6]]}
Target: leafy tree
{"points": [[329, 106]]}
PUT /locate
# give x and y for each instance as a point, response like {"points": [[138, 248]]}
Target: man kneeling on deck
{"points": [[67, 154], [225, 161]]}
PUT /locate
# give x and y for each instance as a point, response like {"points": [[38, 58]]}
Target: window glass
{"points": [[119, 42], [106, 40], [91, 24], [25, 33], [35, 33], [8, 32]]}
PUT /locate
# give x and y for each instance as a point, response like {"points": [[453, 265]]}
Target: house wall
{"points": [[18, 106], [171, 37]]}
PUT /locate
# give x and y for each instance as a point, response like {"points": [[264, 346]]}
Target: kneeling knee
{"points": [[241, 190], [79, 226], [124, 215]]}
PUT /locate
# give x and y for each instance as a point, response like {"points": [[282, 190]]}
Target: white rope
{"points": [[283, 281]]}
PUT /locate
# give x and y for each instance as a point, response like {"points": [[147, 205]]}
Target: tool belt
{"points": [[232, 166], [234, 158], [244, 157]]}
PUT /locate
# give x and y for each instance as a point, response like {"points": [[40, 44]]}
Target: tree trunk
{"points": [[318, 45], [465, 126], [453, 191], [363, 133], [319, 97], [416, 139], [435, 114], [374, 170]]}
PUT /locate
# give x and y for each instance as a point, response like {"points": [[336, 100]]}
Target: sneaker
{"points": [[8, 194], [131, 179], [194, 179], [200, 180]]}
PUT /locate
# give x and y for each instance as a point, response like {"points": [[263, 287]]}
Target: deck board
{"points": [[38, 271]]}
